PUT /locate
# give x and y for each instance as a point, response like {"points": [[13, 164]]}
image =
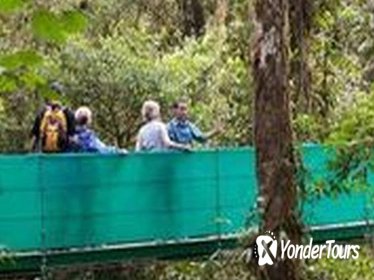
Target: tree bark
{"points": [[193, 18], [275, 162], [300, 28], [221, 11]]}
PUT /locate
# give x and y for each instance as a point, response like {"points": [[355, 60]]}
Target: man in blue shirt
{"points": [[182, 131]]}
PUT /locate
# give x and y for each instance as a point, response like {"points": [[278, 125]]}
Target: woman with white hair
{"points": [[86, 139], [153, 135]]}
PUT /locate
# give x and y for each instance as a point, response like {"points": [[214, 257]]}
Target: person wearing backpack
{"points": [[53, 126], [85, 139]]}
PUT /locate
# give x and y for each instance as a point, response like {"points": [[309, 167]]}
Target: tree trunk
{"points": [[221, 11], [193, 19], [275, 162], [300, 28]]}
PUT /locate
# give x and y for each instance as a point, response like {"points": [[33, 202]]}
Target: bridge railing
{"points": [[63, 201]]}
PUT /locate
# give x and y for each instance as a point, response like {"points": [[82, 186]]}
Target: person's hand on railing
{"points": [[183, 147], [123, 152], [188, 148]]}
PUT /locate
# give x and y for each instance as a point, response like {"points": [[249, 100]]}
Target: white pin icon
{"points": [[267, 248]]}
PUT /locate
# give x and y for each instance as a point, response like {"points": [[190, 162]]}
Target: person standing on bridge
{"points": [[153, 135], [85, 139], [183, 131], [53, 126]]}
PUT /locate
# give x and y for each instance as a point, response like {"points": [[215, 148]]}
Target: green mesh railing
{"points": [[63, 201]]}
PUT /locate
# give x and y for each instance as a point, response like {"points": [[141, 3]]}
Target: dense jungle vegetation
{"points": [[112, 55]]}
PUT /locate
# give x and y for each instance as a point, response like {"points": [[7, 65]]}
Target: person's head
{"points": [[83, 116], [174, 109], [150, 110], [180, 110], [58, 91], [57, 88], [55, 104]]}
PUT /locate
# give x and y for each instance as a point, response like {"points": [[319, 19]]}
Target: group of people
{"points": [[58, 129]]}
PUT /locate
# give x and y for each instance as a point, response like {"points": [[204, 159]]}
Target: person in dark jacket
{"points": [[53, 114]]}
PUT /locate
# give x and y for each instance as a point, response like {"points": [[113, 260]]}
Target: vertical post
{"points": [[43, 267], [219, 217]]}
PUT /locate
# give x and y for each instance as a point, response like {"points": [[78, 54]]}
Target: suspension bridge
{"points": [[73, 209]]}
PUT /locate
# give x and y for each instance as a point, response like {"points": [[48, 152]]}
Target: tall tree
{"points": [[275, 162], [193, 19], [300, 28]]}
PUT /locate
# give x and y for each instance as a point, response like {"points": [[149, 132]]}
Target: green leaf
{"points": [[7, 84], [47, 26], [73, 22], [7, 6], [21, 58], [31, 80], [56, 28]]}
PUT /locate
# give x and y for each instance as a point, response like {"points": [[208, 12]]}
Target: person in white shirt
{"points": [[153, 135]]}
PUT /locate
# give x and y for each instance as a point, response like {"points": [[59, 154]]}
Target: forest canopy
{"points": [[112, 55]]}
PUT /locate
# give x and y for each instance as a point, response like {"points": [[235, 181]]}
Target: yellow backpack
{"points": [[53, 130]]}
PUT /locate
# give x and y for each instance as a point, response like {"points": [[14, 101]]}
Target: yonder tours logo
{"points": [[266, 250]]}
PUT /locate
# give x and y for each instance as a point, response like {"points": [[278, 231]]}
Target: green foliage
{"points": [[56, 28], [47, 26], [7, 84], [125, 52], [116, 75], [131, 50], [362, 268], [73, 22], [225, 265], [307, 128], [23, 65], [8, 6], [355, 122], [5, 257], [23, 58], [151, 59]]}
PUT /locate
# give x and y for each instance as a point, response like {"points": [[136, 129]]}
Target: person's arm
{"points": [[35, 131], [70, 122], [138, 146], [203, 137], [171, 144], [171, 132], [212, 133], [102, 148], [197, 134]]}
